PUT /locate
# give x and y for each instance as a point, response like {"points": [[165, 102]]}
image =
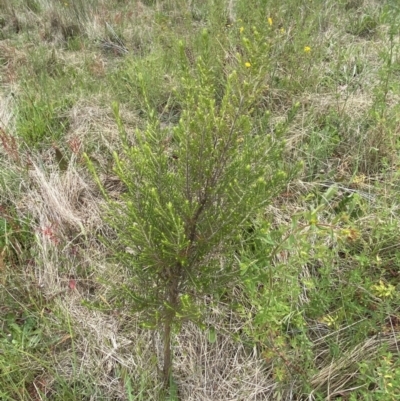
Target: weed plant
{"points": [[187, 194]]}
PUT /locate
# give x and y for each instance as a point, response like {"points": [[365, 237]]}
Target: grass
{"points": [[317, 313]]}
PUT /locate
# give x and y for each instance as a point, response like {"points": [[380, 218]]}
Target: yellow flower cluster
{"points": [[383, 290]]}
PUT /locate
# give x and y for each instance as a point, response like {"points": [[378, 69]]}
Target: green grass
{"points": [[316, 315]]}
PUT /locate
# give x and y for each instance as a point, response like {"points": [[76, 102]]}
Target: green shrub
{"points": [[189, 193]]}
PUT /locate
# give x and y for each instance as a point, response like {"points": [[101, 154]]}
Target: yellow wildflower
{"points": [[383, 290], [247, 64], [282, 30], [241, 29], [307, 49], [330, 320], [270, 21]]}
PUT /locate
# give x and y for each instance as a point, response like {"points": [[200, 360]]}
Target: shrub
{"points": [[190, 190]]}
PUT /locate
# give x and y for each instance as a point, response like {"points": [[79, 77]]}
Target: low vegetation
{"points": [[199, 200]]}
